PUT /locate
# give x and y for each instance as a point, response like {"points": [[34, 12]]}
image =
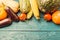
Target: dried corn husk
{"points": [[12, 4], [24, 6]]}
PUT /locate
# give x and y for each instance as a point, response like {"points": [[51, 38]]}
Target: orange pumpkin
{"points": [[3, 13], [56, 17]]}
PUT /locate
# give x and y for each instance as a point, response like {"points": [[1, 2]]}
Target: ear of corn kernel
{"points": [[29, 14], [35, 9]]}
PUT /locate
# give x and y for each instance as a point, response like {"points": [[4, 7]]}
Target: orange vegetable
{"points": [[56, 17], [47, 17], [3, 13], [23, 17]]}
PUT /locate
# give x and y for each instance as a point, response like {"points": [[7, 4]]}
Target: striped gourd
{"points": [[48, 5]]}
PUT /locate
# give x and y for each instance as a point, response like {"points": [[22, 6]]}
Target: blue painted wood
{"points": [[29, 35]]}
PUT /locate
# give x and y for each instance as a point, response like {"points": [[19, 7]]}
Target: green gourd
{"points": [[48, 5], [24, 6]]}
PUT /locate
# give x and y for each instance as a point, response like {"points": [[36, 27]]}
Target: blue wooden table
{"points": [[16, 35], [31, 30]]}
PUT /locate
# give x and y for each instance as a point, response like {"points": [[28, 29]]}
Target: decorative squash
{"points": [[48, 5]]}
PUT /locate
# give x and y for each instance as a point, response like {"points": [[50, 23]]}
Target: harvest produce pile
{"points": [[28, 8]]}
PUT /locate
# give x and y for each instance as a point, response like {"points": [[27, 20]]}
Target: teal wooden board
{"points": [[10, 35]]}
